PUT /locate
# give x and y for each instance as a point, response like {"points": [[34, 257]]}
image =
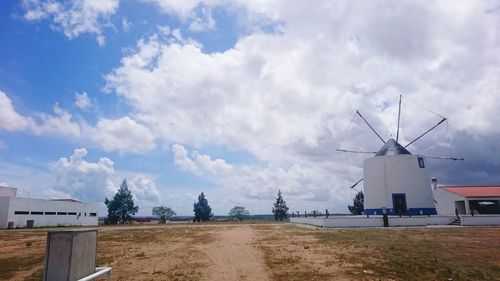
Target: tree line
{"points": [[122, 208]]}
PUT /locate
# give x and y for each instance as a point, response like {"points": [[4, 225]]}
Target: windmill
{"points": [[395, 179]]}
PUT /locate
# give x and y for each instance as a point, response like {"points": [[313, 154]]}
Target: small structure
{"points": [[467, 200], [71, 255], [28, 212]]}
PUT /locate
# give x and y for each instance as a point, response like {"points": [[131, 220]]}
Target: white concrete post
{"points": [[70, 254], [467, 207]]}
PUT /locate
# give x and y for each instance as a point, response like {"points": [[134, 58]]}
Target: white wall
{"points": [[82, 211], [446, 201], [354, 221], [4, 211], [385, 175], [374, 221], [480, 220], [8, 191]]}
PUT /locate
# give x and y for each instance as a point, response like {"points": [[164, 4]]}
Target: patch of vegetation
{"points": [[8, 266], [420, 253]]}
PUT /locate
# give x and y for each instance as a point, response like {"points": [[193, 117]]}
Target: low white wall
{"points": [[480, 220], [311, 221], [417, 220], [354, 221], [374, 221]]}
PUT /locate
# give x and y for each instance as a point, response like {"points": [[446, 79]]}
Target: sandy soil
{"points": [[285, 252], [234, 255]]}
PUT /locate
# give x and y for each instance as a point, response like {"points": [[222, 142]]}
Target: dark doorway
{"points": [[30, 223], [399, 203]]}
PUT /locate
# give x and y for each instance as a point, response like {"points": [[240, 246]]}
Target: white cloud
{"points": [[181, 8], [183, 161], [74, 18], [252, 181], [79, 178], [124, 135], [287, 97], [10, 119], [87, 181], [126, 25], [197, 14], [60, 123], [145, 191], [83, 101], [203, 21]]}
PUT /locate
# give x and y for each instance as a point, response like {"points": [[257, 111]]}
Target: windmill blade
{"points": [[399, 118], [445, 158], [370, 126], [355, 151], [354, 185], [425, 133]]}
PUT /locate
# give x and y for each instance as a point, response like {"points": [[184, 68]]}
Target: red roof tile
{"points": [[474, 191]]}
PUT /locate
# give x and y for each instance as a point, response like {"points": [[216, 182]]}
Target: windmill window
{"points": [[421, 163]]}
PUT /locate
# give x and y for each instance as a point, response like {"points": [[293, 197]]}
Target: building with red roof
{"points": [[467, 199]]}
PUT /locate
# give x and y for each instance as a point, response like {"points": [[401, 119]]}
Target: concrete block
{"points": [[70, 254]]}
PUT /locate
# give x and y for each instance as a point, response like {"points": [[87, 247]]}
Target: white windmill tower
{"points": [[397, 180]]}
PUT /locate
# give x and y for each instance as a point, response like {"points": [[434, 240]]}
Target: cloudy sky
{"points": [[241, 98]]}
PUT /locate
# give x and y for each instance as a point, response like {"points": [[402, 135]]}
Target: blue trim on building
{"points": [[411, 211]]}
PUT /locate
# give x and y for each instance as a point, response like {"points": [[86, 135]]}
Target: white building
{"points": [[469, 200], [27, 212], [398, 181]]}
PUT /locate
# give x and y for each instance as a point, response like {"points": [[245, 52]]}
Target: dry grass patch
{"points": [[417, 253], [292, 253], [160, 253], [286, 252], [22, 254]]}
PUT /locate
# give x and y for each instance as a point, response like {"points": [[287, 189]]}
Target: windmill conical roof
{"points": [[392, 147]]}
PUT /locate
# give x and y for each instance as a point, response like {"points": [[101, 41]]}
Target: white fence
{"points": [[100, 271], [373, 221], [480, 220]]}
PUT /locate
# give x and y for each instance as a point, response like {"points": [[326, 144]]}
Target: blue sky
{"points": [[239, 98]]}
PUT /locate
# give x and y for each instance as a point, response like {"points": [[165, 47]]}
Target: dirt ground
{"points": [[272, 252]]}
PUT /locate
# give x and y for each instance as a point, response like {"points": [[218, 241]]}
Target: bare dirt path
{"points": [[234, 255]]}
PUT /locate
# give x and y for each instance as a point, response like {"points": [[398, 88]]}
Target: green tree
{"points": [[163, 212], [358, 204], [280, 209], [121, 208], [202, 211], [239, 213]]}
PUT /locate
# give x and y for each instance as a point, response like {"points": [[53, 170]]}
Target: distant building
{"points": [[27, 212], [467, 200]]}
